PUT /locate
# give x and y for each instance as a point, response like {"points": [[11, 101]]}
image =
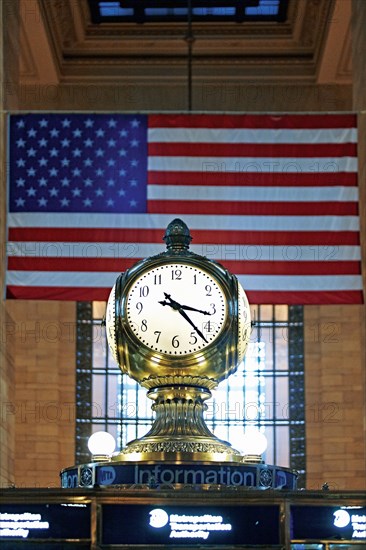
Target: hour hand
{"points": [[189, 308]]}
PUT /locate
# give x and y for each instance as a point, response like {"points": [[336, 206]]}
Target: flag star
{"points": [[20, 123], [135, 123], [20, 142], [76, 192], [99, 192], [76, 153], [133, 203], [89, 123], [31, 172], [20, 163], [88, 182], [43, 162], [65, 162], [111, 142], [53, 192], [88, 142], [53, 172], [66, 123], [100, 132], [123, 133], [112, 123], [42, 182], [54, 132], [31, 192], [99, 152], [42, 201], [20, 201], [110, 202], [32, 132], [111, 162], [64, 202], [133, 183], [65, 182], [76, 172], [122, 152], [121, 192], [42, 142], [99, 172], [43, 123], [87, 202], [88, 162], [111, 182], [134, 143], [53, 152], [77, 133], [31, 152], [20, 182], [122, 172], [134, 163], [65, 142]]}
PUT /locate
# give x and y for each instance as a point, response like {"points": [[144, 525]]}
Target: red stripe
{"points": [[253, 121], [214, 237], [305, 297], [270, 150], [239, 267], [260, 179], [254, 208], [254, 297]]}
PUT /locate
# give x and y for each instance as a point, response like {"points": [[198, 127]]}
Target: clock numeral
{"points": [[208, 290], [176, 274], [139, 307], [157, 279], [143, 325], [194, 279], [208, 327], [144, 291], [213, 309], [194, 339], [175, 341], [157, 334]]}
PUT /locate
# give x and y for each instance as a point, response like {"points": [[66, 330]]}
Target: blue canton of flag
{"points": [[78, 163]]}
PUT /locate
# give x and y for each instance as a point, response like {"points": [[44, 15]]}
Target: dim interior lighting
{"points": [[101, 445], [253, 445]]}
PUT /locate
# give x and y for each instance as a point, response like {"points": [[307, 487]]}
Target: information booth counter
{"points": [[188, 517]]}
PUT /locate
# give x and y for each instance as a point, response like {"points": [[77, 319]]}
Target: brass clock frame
{"points": [[180, 385]]}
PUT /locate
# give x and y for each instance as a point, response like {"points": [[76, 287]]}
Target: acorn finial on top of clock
{"points": [[177, 235]]}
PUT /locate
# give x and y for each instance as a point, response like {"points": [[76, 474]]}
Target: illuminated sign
{"points": [[44, 521], [218, 525], [328, 522]]}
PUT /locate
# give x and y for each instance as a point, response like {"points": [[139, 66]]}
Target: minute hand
{"points": [[189, 308], [183, 314]]}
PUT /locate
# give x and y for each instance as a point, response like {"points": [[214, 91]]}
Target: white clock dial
{"points": [[176, 309]]}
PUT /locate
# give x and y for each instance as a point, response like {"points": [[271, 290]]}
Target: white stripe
{"points": [[219, 252], [250, 282], [194, 222], [262, 194], [241, 165], [305, 283], [250, 135]]}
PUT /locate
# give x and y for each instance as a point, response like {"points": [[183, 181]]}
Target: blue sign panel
{"points": [[329, 522]]}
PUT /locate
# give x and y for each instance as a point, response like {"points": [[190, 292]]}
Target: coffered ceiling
{"points": [[59, 44]]}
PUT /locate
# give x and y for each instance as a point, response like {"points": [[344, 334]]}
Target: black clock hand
{"points": [[189, 308], [178, 307], [183, 314]]}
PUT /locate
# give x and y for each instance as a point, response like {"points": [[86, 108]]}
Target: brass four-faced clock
{"points": [[178, 323]]}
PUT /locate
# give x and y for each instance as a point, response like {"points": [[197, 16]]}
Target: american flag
{"points": [[274, 198]]}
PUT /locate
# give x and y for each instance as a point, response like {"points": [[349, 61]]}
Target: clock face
{"points": [[176, 309]]}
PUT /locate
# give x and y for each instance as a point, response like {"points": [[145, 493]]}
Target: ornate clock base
{"points": [[179, 432]]}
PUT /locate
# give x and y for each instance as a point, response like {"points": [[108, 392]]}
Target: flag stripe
{"points": [[271, 150], [195, 206], [238, 267], [217, 175], [275, 121], [256, 238]]}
